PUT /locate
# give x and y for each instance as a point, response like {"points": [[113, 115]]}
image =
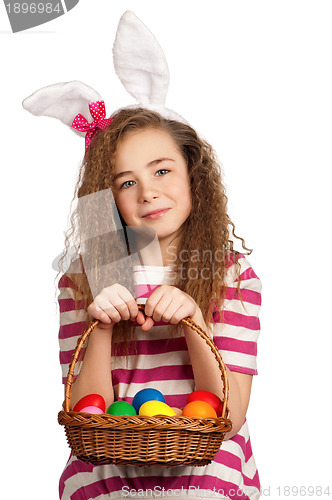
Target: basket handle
{"points": [[186, 321]]}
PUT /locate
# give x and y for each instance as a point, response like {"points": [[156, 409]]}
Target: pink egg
{"points": [[90, 400], [92, 409], [178, 411]]}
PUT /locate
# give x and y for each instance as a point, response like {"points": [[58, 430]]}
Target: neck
{"points": [[169, 250], [157, 252]]}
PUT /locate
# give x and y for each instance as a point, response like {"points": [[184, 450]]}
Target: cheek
{"points": [[124, 207], [188, 204], [184, 194]]}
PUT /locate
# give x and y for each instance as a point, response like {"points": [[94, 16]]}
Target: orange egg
{"points": [[208, 397], [199, 409]]}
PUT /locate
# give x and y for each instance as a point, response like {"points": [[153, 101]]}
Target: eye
{"points": [[163, 171], [127, 184]]}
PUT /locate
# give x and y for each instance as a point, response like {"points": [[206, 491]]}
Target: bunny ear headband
{"points": [[141, 67]]}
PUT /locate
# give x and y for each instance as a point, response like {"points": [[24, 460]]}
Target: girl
{"points": [[164, 177], [165, 181]]}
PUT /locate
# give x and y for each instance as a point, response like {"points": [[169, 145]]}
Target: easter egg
{"points": [[178, 411], [91, 400], [121, 408], [209, 398], [151, 408], [199, 409], [92, 409], [146, 395]]}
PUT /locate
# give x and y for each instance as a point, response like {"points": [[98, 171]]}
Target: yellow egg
{"points": [[151, 408]]}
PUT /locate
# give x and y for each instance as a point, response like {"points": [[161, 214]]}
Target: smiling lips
{"points": [[156, 214]]}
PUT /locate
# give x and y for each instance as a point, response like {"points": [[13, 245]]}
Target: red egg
{"points": [[91, 400], [199, 409], [209, 398]]}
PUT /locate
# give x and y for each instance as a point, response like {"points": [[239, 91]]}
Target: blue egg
{"points": [[146, 395]]}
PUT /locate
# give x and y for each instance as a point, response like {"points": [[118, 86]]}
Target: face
{"points": [[151, 183]]}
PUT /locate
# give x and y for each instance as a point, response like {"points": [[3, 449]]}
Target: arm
{"points": [[113, 304], [95, 375], [209, 379]]}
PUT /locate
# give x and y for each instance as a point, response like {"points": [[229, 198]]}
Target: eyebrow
{"points": [[150, 164]]}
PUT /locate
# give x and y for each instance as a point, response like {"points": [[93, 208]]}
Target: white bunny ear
{"points": [[62, 101], [140, 62]]}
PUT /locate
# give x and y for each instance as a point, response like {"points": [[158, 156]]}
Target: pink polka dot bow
{"points": [[98, 113]]}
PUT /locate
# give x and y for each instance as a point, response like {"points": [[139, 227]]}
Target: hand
{"points": [[113, 304], [169, 304]]}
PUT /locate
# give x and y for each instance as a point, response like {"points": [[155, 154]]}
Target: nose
{"points": [[148, 192]]}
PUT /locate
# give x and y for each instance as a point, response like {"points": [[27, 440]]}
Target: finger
{"points": [[161, 307], [103, 304], [153, 300], [101, 316], [123, 301], [170, 311], [104, 321], [178, 315], [96, 312], [144, 320], [133, 309], [124, 294], [148, 323], [140, 318], [123, 310]]}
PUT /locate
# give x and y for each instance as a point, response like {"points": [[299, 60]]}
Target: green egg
{"points": [[121, 408]]}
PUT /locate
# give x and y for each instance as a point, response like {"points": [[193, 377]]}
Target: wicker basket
{"points": [[139, 440]]}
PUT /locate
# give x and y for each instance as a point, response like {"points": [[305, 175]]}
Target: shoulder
{"points": [[240, 272], [237, 324], [68, 278]]}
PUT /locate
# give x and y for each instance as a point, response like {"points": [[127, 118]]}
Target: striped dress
{"points": [[164, 364]]}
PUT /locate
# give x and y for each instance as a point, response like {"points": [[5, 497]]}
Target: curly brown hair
{"points": [[205, 234]]}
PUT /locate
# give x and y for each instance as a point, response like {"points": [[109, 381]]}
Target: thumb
{"points": [[148, 323], [145, 321]]}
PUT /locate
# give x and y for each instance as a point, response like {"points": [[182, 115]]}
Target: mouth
{"points": [[156, 214]]}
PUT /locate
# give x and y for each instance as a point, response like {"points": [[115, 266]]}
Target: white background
{"points": [[254, 78]]}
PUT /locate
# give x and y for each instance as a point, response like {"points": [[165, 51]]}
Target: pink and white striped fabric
{"points": [[164, 364]]}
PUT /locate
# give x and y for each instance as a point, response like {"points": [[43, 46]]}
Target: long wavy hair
{"points": [[207, 235]]}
